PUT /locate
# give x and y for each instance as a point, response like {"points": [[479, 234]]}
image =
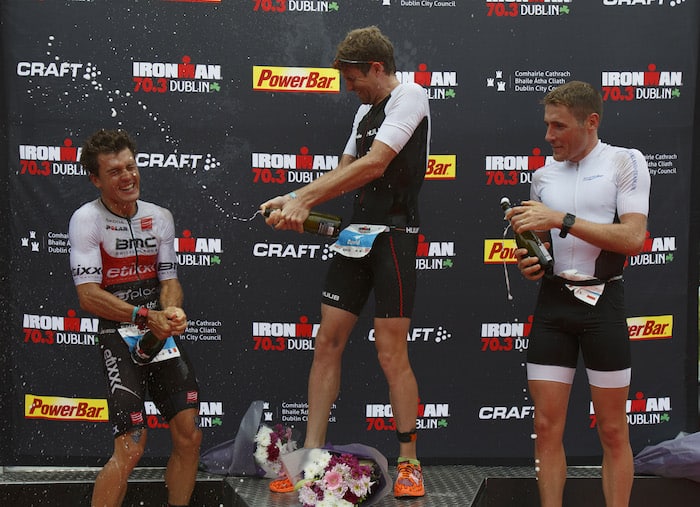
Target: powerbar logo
{"points": [[431, 416], [65, 409], [655, 252], [434, 254], [641, 411], [280, 336], [296, 79], [192, 251], [183, 77], [659, 327], [302, 167], [441, 167], [503, 170], [498, 251], [439, 85], [53, 329], [651, 84]]}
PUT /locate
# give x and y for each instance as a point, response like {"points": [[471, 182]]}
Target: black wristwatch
{"points": [[566, 224]]}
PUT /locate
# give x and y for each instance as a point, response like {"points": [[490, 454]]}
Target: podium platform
{"points": [[446, 486]]}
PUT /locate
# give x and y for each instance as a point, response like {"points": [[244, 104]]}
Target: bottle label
{"points": [[132, 334], [356, 240]]}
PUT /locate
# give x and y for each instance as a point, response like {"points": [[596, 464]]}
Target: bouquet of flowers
{"points": [[270, 445], [338, 476]]}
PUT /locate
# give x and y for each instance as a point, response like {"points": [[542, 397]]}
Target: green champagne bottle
{"points": [[146, 348], [531, 242], [322, 224]]}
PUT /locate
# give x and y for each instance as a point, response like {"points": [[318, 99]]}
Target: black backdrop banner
{"points": [[233, 102]]}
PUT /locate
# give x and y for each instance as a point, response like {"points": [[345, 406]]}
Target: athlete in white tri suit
{"points": [[591, 205]]}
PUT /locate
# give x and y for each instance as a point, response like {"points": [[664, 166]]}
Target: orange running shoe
{"points": [[282, 485], [409, 482]]}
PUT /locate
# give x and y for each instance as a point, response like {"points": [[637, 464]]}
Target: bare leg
{"points": [[324, 377], [618, 462], [392, 351], [181, 472], [111, 482], [551, 402]]}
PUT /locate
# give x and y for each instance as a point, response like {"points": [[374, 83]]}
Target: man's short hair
{"points": [[364, 46], [580, 97], [104, 141]]}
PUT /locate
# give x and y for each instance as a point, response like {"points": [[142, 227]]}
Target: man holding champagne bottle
{"points": [[594, 200], [384, 163]]}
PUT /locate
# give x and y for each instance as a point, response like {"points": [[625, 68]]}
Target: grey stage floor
{"points": [[446, 486]]}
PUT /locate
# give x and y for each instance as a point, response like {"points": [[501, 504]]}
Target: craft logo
{"points": [[41, 160], [183, 77], [503, 170], [527, 81], [281, 336], [59, 330], [192, 251], [505, 336], [515, 8], [293, 251], [202, 331], [503, 413], [439, 85], [56, 408], [179, 161], [431, 416], [302, 167], [434, 254], [650, 84], [294, 6], [441, 167], [642, 3], [66, 70], [658, 327], [52, 242], [296, 79], [210, 413], [656, 251], [662, 164], [499, 251], [437, 334], [641, 411]]}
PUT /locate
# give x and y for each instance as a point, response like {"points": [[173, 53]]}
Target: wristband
{"points": [[292, 195], [134, 312], [142, 317]]}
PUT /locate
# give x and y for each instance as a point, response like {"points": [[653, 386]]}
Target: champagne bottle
{"points": [[531, 242], [322, 224], [146, 348]]}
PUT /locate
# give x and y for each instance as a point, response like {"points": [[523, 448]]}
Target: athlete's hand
{"points": [[177, 319], [285, 213], [529, 266]]}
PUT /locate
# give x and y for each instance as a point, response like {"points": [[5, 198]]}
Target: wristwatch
{"points": [[566, 224]]}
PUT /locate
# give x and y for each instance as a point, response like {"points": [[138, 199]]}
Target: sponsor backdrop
{"points": [[233, 102]]}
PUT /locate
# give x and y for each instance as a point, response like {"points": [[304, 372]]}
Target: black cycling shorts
{"points": [[563, 324], [389, 269], [171, 384]]}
